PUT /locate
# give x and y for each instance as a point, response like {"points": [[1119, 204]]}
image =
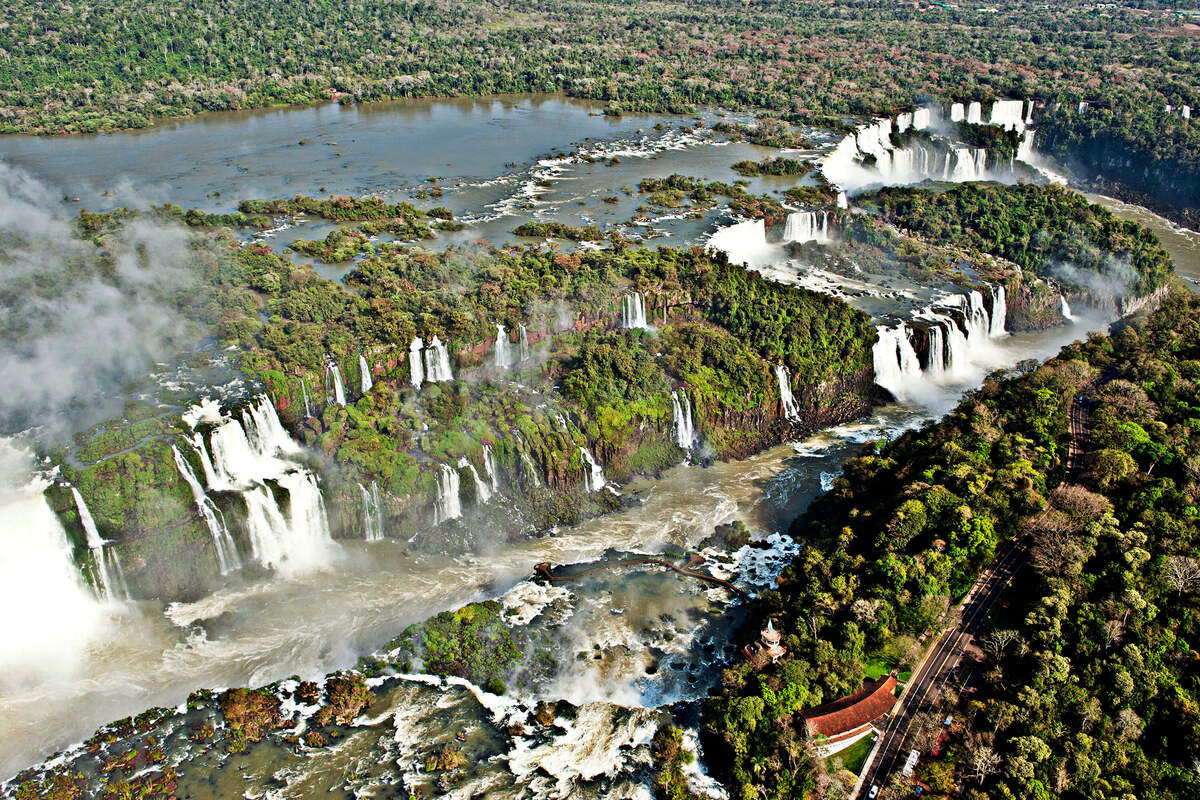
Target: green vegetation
{"points": [[1046, 229], [773, 166], [559, 230], [1089, 688]]}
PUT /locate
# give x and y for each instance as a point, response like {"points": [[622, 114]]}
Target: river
{"points": [[498, 161]]}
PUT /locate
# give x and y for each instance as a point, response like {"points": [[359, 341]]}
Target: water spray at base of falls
{"points": [[1065, 308], [807, 226], [228, 559]]}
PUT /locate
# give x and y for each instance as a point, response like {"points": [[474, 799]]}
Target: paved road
{"points": [[938, 667]]}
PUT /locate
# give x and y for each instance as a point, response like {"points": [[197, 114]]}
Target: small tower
{"points": [[770, 642]]}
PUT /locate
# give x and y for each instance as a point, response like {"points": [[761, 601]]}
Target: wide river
{"points": [[496, 162]]}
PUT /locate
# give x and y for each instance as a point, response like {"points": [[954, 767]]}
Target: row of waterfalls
{"points": [[428, 363], [939, 342], [504, 355]]}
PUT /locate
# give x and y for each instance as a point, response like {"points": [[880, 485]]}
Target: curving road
{"points": [[942, 660]]}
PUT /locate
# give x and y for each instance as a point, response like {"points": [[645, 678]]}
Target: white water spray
{"points": [[593, 474], [437, 362], [807, 226], [787, 402], [523, 351], [364, 375], [1065, 307], [489, 466], [448, 504]]}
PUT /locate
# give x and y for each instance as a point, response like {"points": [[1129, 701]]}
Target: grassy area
{"points": [[853, 757], [878, 666]]}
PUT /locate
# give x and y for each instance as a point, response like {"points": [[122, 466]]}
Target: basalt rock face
{"points": [[1033, 305]]}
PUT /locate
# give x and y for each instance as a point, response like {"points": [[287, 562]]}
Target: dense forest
{"points": [[1088, 682]]}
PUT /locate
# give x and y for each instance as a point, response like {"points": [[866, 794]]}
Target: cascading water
{"points": [[1009, 114], [978, 324], [523, 351], [896, 362], [448, 504], [681, 412], [593, 473], [416, 373], [372, 512], [503, 350], [245, 456], [110, 575], [966, 164], [1065, 307], [225, 548], [364, 375], [786, 401], [482, 490], [489, 466], [304, 394], [531, 471], [633, 310], [975, 113], [803, 226], [50, 615], [958, 112], [843, 202], [335, 392], [1025, 147], [999, 313], [937, 352], [437, 362]]}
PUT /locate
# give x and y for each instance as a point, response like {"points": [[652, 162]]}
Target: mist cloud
{"points": [[79, 321]]}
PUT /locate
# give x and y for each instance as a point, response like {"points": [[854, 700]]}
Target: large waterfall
{"points": [[448, 504], [593, 473], [633, 310], [482, 490], [786, 401], [110, 575], [416, 372], [896, 362], [504, 357], [958, 329], [49, 613], [252, 456], [807, 226], [1065, 308], [335, 392], [681, 413], [744, 243], [364, 375], [869, 157], [437, 362], [225, 548], [975, 113], [372, 512], [1009, 114]]}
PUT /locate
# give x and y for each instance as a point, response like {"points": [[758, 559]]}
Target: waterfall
{"points": [[978, 325], [1009, 114], [489, 466], [304, 394], [437, 362], [958, 112], [593, 474], [503, 351], [1065, 307], [372, 512], [1025, 147], [788, 403], [802, 226], [975, 113], [364, 374], [968, 164], [896, 362], [530, 470], [937, 352], [681, 412], [481, 489], [904, 121], [228, 559], [523, 351], [633, 310], [922, 119], [745, 242], [49, 613], [110, 576], [842, 201], [1028, 112], [999, 312], [416, 375], [954, 340], [335, 392], [448, 504], [251, 456]]}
